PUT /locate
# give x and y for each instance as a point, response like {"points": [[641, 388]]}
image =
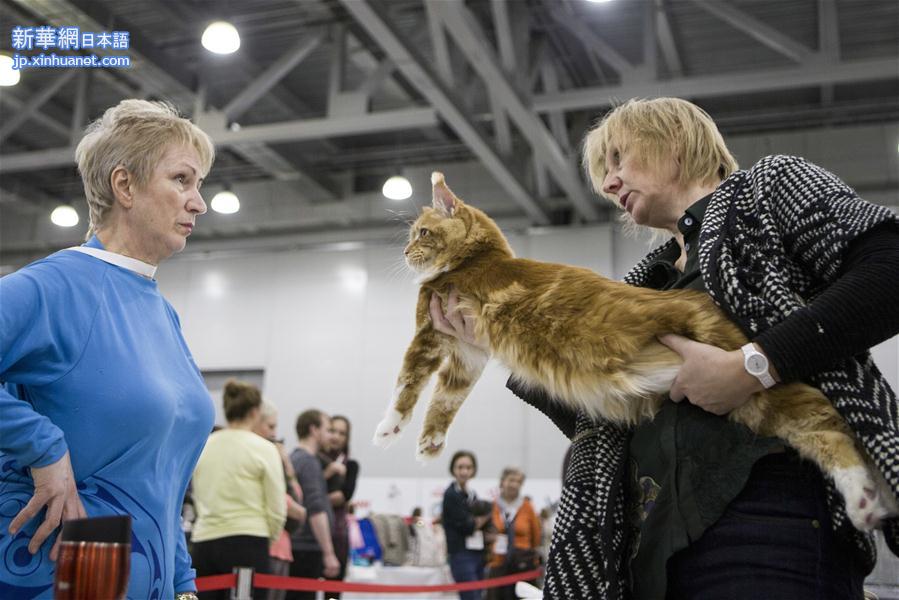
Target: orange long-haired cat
{"points": [[592, 344]]}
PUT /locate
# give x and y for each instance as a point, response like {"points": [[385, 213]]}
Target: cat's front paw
{"points": [[868, 500], [430, 446], [390, 428]]}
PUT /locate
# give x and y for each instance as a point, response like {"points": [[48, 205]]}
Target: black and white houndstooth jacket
{"points": [[772, 238]]}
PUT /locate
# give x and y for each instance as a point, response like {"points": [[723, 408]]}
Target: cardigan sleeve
{"points": [[565, 419], [858, 311]]}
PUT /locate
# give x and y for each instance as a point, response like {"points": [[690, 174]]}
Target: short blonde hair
{"points": [[268, 410], [134, 134], [656, 130]]}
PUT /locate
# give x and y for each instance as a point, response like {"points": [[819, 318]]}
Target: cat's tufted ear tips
{"points": [[444, 201]]}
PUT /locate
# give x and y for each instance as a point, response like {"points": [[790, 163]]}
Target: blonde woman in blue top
{"points": [[104, 409]]}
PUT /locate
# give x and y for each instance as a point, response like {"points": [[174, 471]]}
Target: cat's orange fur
{"points": [[591, 343]]}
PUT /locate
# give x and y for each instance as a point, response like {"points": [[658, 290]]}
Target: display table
{"points": [[411, 576]]}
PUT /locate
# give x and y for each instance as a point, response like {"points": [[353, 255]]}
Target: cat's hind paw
{"points": [[430, 446], [868, 502], [390, 428]]}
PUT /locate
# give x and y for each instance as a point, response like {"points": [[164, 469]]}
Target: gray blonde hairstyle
{"points": [[134, 134], [658, 129]]}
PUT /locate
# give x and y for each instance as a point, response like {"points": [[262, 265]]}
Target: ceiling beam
{"points": [[666, 40], [288, 131], [344, 125], [275, 72], [828, 29], [47, 92], [724, 85], [461, 26], [593, 43], [503, 27], [47, 121], [438, 44], [650, 42], [378, 24], [756, 29]]}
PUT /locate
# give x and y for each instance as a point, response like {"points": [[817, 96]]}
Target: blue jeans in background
{"points": [[468, 565], [774, 542]]}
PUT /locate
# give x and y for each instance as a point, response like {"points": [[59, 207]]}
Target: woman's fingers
{"points": [[30, 510], [51, 522], [73, 509], [54, 551]]}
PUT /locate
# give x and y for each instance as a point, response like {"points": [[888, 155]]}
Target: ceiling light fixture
{"points": [[225, 202], [221, 37], [397, 188], [64, 216], [8, 75]]}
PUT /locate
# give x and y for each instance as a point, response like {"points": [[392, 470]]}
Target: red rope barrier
{"points": [[216, 582], [303, 584]]}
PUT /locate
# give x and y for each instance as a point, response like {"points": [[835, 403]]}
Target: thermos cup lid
{"points": [[110, 530]]}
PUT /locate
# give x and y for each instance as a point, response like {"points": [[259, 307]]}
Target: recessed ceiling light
{"points": [[397, 188], [221, 37], [8, 75], [225, 202], [64, 216]]}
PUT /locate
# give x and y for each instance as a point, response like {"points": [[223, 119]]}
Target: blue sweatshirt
{"points": [[93, 362]]}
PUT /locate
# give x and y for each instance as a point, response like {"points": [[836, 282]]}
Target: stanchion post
{"points": [[243, 589]]}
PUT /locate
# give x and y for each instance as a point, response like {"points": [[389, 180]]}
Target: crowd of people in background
{"points": [[254, 505]]}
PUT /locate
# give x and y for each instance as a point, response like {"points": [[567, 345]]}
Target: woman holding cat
{"points": [[464, 538], [808, 271], [105, 411]]}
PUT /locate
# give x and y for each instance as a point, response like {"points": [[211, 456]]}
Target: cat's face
{"points": [[433, 238], [447, 233]]}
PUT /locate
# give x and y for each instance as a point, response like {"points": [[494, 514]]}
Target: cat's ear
{"points": [[444, 200]]}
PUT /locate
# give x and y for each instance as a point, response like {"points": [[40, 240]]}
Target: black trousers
{"points": [[219, 557], [306, 563], [774, 542]]}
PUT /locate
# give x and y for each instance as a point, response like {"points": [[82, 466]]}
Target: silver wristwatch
{"points": [[756, 364]]}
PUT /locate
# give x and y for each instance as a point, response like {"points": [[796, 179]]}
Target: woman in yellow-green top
{"points": [[238, 491]]}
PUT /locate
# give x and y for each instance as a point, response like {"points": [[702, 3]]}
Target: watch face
{"points": [[756, 364]]}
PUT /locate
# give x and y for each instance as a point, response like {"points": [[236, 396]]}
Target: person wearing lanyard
{"points": [[104, 411], [518, 533], [464, 538]]}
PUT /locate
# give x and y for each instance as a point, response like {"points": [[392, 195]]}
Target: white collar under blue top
{"points": [[94, 248]]}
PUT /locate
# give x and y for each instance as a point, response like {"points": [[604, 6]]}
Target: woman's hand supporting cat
{"points": [[711, 378], [454, 321]]}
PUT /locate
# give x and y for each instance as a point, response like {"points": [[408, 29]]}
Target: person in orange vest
{"points": [[518, 533]]}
